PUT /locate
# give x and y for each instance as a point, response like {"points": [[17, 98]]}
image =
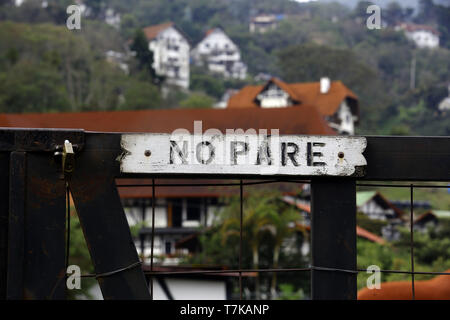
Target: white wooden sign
{"points": [[243, 154]]}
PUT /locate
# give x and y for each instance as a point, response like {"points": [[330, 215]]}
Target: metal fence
{"points": [[36, 178]]}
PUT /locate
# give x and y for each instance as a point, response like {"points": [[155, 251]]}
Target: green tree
{"points": [[141, 95], [265, 225], [280, 228], [197, 100], [144, 55], [310, 62], [255, 223], [28, 87], [209, 84]]}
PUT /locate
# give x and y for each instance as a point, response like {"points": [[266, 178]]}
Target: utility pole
{"points": [[412, 83]]}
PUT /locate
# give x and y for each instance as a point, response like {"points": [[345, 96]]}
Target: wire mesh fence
{"points": [[151, 273]]}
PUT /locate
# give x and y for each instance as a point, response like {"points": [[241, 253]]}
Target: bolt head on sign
{"points": [[243, 154]]}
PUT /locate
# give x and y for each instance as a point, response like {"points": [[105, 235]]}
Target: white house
{"points": [[220, 55], [376, 206], [423, 36], [334, 101], [444, 105], [170, 49], [112, 18], [175, 219], [264, 23]]}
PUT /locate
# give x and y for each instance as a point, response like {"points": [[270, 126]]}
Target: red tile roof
{"points": [[173, 188], [307, 93], [151, 32], [410, 27], [427, 215], [304, 120], [360, 232]]}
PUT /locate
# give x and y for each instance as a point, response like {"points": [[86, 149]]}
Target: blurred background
{"points": [[240, 56]]}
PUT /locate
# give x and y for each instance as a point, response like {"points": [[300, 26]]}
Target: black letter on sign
{"points": [[235, 153], [264, 153], [199, 153], [310, 154], [290, 155], [181, 154]]}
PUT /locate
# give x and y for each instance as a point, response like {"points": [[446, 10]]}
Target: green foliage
{"points": [[46, 68], [144, 55], [31, 86], [265, 225], [197, 100], [313, 40], [209, 84], [371, 225], [288, 292], [310, 62], [79, 255], [142, 95], [431, 253]]}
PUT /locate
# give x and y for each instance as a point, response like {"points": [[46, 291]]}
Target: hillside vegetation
{"points": [[45, 67]]}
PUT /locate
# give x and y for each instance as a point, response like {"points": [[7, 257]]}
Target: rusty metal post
{"points": [[103, 220], [4, 220], [16, 232], [333, 204], [36, 254]]}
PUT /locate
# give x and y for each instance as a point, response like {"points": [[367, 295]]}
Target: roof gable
{"points": [[151, 32], [363, 197], [304, 93], [216, 31]]}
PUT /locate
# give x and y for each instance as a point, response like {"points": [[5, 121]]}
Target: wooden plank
{"points": [[16, 232], [36, 253], [20, 139], [408, 158], [4, 221], [243, 154], [45, 228], [333, 207]]}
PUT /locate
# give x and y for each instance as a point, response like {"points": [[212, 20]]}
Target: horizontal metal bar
{"points": [[46, 140], [279, 270], [213, 271], [207, 184], [408, 158], [410, 272], [388, 157], [380, 185], [424, 186]]}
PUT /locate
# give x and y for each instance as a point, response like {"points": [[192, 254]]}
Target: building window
{"points": [[272, 92], [168, 247], [194, 207]]}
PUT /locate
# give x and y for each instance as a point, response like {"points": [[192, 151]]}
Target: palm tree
{"points": [[256, 221], [280, 229]]}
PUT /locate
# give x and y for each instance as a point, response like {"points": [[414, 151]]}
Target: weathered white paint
{"points": [[225, 154]]}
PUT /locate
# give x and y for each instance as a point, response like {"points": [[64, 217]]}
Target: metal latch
{"points": [[68, 158]]}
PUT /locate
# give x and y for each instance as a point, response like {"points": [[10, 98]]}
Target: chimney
{"points": [[324, 85]]}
